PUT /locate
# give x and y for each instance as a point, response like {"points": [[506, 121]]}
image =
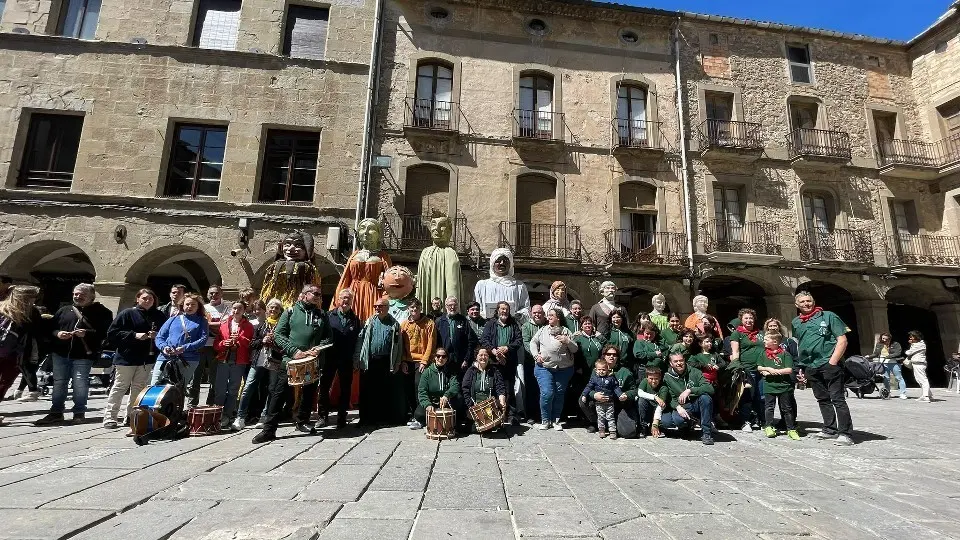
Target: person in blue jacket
{"points": [[182, 337]]}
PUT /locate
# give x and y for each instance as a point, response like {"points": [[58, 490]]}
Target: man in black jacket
{"points": [[345, 328], [457, 338], [78, 331], [172, 308]]}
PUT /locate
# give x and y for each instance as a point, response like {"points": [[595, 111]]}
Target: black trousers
{"points": [[341, 366], [281, 395], [826, 382], [383, 394], [28, 370], [628, 417], [509, 373], [786, 401], [645, 410], [207, 368]]}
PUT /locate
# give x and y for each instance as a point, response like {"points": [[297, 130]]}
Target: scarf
{"points": [[772, 355], [751, 334], [272, 321], [812, 314]]}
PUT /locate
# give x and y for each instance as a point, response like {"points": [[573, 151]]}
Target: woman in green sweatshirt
{"points": [[436, 389]]}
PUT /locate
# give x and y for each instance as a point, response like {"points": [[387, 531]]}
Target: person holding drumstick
{"points": [[480, 383], [303, 331], [437, 389]]}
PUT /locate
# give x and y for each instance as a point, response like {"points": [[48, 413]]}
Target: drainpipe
{"points": [[369, 118], [684, 160]]}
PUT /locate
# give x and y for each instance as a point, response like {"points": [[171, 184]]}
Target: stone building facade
{"points": [[150, 142]]}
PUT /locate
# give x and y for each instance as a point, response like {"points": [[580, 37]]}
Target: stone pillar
{"points": [[782, 307], [948, 319], [116, 296], [871, 320]]}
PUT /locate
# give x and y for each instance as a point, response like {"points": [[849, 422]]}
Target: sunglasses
{"points": [[439, 356], [609, 354]]}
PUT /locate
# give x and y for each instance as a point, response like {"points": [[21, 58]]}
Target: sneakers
{"points": [[903, 396], [110, 424], [825, 435], [543, 425], [225, 425], [557, 425], [50, 419], [78, 418], [793, 435], [259, 425], [770, 432], [265, 436], [305, 427], [29, 396], [707, 439], [924, 400], [413, 424], [746, 427], [843, 440], [238, 424], [613, 435], [321, 422], [603, 434]]}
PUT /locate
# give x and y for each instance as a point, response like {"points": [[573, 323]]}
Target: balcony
{"points": [[916, 159], [411, 233], [736, 242], [818, 147], [646, 247], [431, 118], [729, 140], [924, 253], [541, 241], [637, 137], [837, 247], [538, 127]]}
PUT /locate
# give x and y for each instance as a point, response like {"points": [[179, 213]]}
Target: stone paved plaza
{"points": [[901, 481]]}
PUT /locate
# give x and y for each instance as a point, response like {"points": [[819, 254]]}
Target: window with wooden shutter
{"points": [[798, 56], [306, 35], [51, 151], [289, 167], [218, 23]]}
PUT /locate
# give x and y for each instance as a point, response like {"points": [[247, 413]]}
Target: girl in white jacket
{"points": [[917, 356]]}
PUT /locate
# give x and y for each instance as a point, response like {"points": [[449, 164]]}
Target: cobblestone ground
{"points": [[81, 481]]}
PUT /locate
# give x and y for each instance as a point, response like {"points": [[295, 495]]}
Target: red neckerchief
{"points": [[772, 353], [808, 316], [752, 334]]}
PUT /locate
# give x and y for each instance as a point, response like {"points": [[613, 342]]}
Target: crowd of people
{"points": [[546, 368]]}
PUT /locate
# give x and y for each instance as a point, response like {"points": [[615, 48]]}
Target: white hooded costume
{"points": [[502, 289]]}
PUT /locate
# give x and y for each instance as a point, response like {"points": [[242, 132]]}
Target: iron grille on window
{"points": [[218, 22], [289, 167], [78, 18], [196, 161], [306, 33], [51, 151]]}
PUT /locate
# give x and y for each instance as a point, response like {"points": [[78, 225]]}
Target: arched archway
{"points": [[165, 266], [56, 266], [729, 294], [908, 309], [838, 300]]}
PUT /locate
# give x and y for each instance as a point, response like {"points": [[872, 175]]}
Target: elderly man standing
{"points": [[78, 331], [457, 337], [379, 355], [690, 398], [345, 328], [503, 339], [822, 340], [301, 332]]}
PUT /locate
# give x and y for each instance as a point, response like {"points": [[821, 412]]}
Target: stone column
{"points": [[116, 296], [948, 319], [782, 307], [871, 320]]}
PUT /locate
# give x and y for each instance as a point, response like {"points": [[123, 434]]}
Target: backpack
{"points": [[10, 342]]}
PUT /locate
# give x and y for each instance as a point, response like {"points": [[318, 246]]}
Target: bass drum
{"points": [[731, 390]]}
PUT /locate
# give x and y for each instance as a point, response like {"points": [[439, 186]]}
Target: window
{"points": [[905, 217], [719, 106], [715, 39], [289, 167], [638, 215], [632, 116], [803, 114], [432, 107], [306, 33], [729, 214], [950, 118], [874, 61], [798, 57], [817, 213], [885, 124], [78, 18], [51, 151], [536, 106], [196, 161], [218, 22]]}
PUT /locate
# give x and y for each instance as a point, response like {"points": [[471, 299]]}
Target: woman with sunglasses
{"points": [[436, 389]]}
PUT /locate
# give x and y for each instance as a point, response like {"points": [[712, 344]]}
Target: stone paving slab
{"points": [[601, 500], [367, 529], [258, 520], [129, 490], [154, 520], [47, 524], [342, 483], [218, 487], [34, 492], [544, 516], [455, 491], [384, 505], [462, 525]]}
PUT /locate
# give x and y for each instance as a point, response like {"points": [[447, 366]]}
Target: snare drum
{"points": [[441, 424], [487, 415], [205, 420], [152, 397], [303, 372]]}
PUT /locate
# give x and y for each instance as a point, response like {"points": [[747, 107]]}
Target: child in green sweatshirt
{"points": [[776, 367]]}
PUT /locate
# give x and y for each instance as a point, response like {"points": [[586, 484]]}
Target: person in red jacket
{"points": [[232, 344]]}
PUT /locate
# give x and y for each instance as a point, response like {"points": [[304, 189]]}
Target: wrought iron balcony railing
{"points": [[918, 153], [539, 240], [410, 232], [837, 245], [646, 247], [729, 134], [629, 133], [923, 249], [431, 114], [733, 236], [535, 124], [818, 142]]}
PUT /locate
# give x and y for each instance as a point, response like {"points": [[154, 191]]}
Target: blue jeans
{"points": [[895, 369], [228, 386], [186, 372], [257, 384], [755, 403], [553, 388], [701, 408], [65, 369]]}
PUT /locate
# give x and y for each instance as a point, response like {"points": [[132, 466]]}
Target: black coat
{"points": [[462, 345], [497, 386], [344, 336], [96, 320], [488, 340], [256, 344], [121, 336]]}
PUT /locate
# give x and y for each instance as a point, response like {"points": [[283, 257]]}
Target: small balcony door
{"points": [[639, 232], [719, 109], [432, 107], [818, 219], [536, 106], [632, 116], [729, 214]]}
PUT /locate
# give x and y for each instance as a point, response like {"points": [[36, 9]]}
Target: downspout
{"points": [[369, 118], [684, 159]]}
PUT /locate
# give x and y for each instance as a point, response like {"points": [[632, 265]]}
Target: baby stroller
{"points": [[862, 377], [953, 372], [45, 375]]}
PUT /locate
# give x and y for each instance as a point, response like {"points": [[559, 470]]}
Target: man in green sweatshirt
{"points": [[691, 398], [302, 332]]}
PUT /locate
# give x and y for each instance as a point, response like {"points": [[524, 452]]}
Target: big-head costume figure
{"points": [[600, 312], [293, 269], [438, 272], [364, 269], [502, 286], [399, 284]]}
